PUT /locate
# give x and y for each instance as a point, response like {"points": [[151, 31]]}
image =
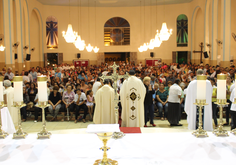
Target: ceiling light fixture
{"points": [[96, 49], [70, 35], [89, 47]]}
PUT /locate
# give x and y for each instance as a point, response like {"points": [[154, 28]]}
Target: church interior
{"points": [[33, 34]]}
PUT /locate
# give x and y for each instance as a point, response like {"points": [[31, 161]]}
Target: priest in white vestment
{"points": [[9, 95], [104, 109], [191, 109], [132, 96]]}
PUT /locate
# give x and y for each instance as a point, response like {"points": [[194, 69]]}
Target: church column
{"points": [[214, 46], [226, 32], [19, 34], [8, 32]]}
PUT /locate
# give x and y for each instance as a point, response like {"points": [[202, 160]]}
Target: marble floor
{"points": [[58, 127]]}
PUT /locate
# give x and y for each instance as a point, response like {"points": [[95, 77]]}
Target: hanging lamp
{"points": [[2, 48], [89, 48], [70, 35], [96, 49]]}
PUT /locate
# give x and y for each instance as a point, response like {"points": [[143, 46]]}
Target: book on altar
{"points": [[102, 128]]}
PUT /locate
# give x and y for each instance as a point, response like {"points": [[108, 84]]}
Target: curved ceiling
{"points": [[111, 3]]}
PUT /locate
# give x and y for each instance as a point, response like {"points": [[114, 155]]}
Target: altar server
{"points": [[191, 109], [132, 96], [9, 98], [104, 110]]}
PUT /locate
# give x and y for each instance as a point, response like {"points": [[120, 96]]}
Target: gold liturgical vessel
{"points": [[19, 133], [221, 102], [104, 137]]}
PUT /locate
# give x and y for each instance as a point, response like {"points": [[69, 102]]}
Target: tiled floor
{"points": [[66, 127]]}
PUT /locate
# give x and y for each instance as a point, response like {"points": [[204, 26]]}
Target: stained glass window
{"points": [[182, 31], [116, 32], [52, 32]]}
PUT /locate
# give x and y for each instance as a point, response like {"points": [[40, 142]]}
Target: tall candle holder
{"points": [[19, 133], [200, 131], [221, 101], [43, 103], [44, 133], [104, 137], [18, 103], [234, 130], [3, 134], [219, 131]]}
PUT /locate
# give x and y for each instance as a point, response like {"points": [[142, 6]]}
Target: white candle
{"points": [[221, 86], [1, 91], [201, 87], [18, 88], [42, 89]]}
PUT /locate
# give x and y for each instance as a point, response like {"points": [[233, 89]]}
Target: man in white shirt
{"points": [[80, 103]]}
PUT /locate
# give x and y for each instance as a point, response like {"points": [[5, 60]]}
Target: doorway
{"points": [[117, 56], [182, 57]]}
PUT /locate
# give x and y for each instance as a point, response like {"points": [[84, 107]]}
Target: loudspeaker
{"points": [[15, 56], [151, 54], [206, 55], [28, 57], [78, 55]]}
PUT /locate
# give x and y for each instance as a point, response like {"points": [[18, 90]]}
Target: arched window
{"points": [[52, 32], [182, 31], [116, 32]]}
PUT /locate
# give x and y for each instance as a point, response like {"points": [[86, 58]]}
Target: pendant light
{"points": [[79, 43], [140, 49], [89, 47], [96, 49], [157, 41], [70, 35], [2, 48], [165, 33], [151, 44]]}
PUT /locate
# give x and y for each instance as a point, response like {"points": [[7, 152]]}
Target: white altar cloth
{"points": [[133, 149]]}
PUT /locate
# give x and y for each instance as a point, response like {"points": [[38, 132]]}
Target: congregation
{"points": [[72, 91]]}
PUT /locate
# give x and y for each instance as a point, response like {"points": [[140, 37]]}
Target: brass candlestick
{"points": [[44, 133], [234, 130], [220, 131], [19, 133], [200, 131], [104, 137], [3, 134]]}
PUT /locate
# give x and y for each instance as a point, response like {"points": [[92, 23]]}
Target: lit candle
{"points": [[201, 87], [1, 89], [42, 89], [18, 88], [221, 86]]}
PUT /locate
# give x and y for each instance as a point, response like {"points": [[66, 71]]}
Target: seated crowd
{"points": [[71, 91]]}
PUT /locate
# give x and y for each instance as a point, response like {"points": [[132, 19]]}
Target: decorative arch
{"points": [[41, 48], [182, 30], [116, 32], [195, 11], [52, 32]]}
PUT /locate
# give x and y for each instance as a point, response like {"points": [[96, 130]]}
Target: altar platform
{"points": [[175, 148]]}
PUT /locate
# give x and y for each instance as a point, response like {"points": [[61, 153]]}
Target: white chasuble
{"points": [[132, 96], [104, 109], [191, 109], [7, 123], [13, 110]]}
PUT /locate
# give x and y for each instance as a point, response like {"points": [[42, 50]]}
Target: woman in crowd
{"points": [[32, 91], [26, 101], [148, 102], [175, 93], [55, 103], [90, 103], [228, 85], [68, 100], [162, 99]]}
